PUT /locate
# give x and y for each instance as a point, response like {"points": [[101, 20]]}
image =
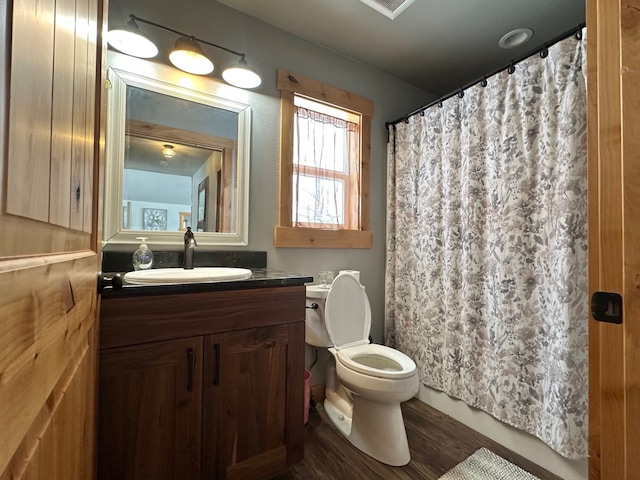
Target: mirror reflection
{"points": [[176, 158], [172, 175]]}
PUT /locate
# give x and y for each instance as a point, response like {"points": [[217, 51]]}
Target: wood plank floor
{"points": [[437, 443]]}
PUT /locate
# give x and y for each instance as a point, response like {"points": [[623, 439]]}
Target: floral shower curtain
{"points": [[486, 281]]}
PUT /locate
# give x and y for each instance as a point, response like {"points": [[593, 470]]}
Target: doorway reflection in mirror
{"points": [[185, 221], [203, 199]]}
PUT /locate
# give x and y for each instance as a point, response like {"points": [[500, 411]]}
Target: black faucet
{"points": [[190, 245]]}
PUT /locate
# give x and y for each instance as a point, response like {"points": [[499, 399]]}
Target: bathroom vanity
{"points": [[202, 381], [198, 380]]}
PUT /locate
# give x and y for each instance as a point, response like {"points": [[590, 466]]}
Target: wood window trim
{"points": [[285, 234]]}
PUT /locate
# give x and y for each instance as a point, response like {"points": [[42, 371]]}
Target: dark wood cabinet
{"points": [[151, 410], [246, 383], [224, 404]]}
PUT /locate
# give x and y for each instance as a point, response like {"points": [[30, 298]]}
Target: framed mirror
{"points": [[177, 156]]}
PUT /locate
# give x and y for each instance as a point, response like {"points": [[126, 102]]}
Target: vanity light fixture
{"points": [[168, 151], [187, 55]]}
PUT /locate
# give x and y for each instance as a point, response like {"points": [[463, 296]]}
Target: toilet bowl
{"points": [[365, 382]]}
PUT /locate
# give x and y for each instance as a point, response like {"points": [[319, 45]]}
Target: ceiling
{"points": [[436, 45], [146, 154]]}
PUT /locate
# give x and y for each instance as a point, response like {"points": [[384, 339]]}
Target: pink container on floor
{"points": [[307, 394]]}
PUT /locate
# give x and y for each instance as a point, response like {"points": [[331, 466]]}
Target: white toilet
{"points": [[365, 382]]}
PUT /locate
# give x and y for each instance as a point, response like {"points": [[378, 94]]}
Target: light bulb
{"points": [[242, 75], [189, 57], [168, 151], [130, 40]]}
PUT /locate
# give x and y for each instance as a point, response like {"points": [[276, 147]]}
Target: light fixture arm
{"points": [[199, 40]]}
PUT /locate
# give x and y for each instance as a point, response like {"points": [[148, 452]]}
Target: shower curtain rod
{"points": [[510, 67]]}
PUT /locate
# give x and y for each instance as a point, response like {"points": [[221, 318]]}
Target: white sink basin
{"points": [[180, 275]]}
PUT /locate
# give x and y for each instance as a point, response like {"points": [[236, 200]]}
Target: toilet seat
{"points": [[347, 313], [377, 361], [348, 322]]}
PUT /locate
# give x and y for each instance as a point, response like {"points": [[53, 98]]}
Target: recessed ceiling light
{"points": [[515, 38]]}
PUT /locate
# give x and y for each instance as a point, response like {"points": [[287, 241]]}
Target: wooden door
{"points": [[150, 412], [613, 35], [48, 237], [247, 402]]}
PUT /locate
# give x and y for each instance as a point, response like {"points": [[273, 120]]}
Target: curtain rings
{"points": [[483, 82], [544, 52], [460, 93], [511, 69]]}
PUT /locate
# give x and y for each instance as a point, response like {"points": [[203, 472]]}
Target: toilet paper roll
{"points": [[354, 273]]}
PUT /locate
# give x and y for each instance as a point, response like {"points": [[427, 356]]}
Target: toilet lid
{"points": [[347, 312]]}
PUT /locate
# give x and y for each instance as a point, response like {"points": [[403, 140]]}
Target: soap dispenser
{"points": [[142, 257]]}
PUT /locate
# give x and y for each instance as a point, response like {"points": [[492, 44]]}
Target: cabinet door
{"points": [[246, 398], [150, 411]]}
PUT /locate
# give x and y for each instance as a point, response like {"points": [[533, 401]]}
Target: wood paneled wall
{"points": [[50, 56], [51, 111], [613, 35]]}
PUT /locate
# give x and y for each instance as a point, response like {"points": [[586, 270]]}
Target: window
{"points": [[324, 166]]}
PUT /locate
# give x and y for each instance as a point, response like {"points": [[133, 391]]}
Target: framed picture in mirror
{"points": [[203, 198], [185, 221], [154, 218]]}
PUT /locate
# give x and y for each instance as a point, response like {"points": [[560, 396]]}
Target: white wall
{"points": [[155, 187], [142, 189]]}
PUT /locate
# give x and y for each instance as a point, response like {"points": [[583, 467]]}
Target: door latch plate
{"points": [[606, 307]]}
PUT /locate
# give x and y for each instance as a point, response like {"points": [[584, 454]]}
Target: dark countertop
{"points": [[261, 278]]}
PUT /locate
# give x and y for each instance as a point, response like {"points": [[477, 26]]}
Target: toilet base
{"points": [[384, 439], [374, 428]]}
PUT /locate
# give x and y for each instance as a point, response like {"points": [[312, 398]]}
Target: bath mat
{"points": [[486, 465]]}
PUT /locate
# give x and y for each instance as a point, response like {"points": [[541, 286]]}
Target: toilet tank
{"points": [[315, 331]]}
